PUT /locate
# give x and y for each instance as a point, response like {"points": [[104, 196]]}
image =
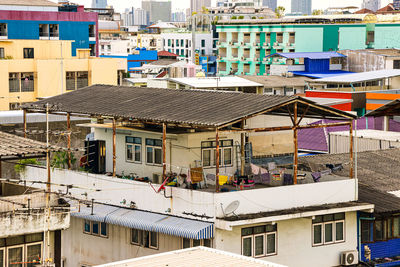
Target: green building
{"points": [[243, 45]]}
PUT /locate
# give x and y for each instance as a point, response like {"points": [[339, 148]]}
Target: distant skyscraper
{"points": [[99, 3], [196, 5], [272, 4], [140, 17], [301, 6], [178, 16], [373, 5], [157, 10], [396, 4]]}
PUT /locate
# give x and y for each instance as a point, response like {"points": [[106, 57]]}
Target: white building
{"points": [[181, 43], [306, 223]]}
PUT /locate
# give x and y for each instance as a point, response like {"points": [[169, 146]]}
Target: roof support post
{"points": [[164, 151], [25, 124], [295, 159], [351, 150], [114, 127], [217, 156], [242, 154], [0, 171], [69, 139]]}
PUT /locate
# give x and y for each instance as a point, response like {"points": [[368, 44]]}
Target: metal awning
{"points": [[147, 221], [360, 77]]}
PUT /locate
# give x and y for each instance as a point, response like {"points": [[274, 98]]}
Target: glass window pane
{"points": [[1, 258], [271, 244], [103, 228], [87, 226], [34, 238], [15, 256], [317, 234], [149, 142], [339, 216], [259, 229], [328, 232], [271, 227], [339, 231], [15, 240], [34, 254], [146, 239], [153, 241], [390, 229], [149, 155], [206, 157], [158, 156], [207, 243], [365, 231], [328, 217], [247, 246], [186, 243], [129, 153], [135, 236], [227, 156], [2, 242], [157, 142], [95, 228], [259, 245], [247, 231], [138, 156], [317, 219], [196, 242], [396, 226]]}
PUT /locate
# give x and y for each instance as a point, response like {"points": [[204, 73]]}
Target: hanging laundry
{"points": [[210, 176], [316, 176], [223, 179]]}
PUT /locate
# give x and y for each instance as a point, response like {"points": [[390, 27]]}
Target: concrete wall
{"points": [[115, 191], [80, 249], [294, 243]]}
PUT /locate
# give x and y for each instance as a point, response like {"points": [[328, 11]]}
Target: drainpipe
{"points": [[354, 89]]}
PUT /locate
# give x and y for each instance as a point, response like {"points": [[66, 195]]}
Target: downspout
{"points": [[354, 89]]}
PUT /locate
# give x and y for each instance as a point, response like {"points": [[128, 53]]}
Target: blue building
{"points": [[209, 65], [69, 24], [137, 59]]}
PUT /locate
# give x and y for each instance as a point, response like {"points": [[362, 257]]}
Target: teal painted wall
{"points": [[331, 38], [387, 36], [352, 37], [309, 39]]}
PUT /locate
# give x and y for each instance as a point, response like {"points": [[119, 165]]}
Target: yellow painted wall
{"points": [[50, 70]]}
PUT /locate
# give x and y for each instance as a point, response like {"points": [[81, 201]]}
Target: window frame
{"points": [[251, 242], [153, 147], [276, 243], [28, 50], [323, 224], [2, 53], [213, 149], [141, 238], [100, 232], [33, 244], [99, 228], [264, 245], [133, 145], [201, 242], [15, 246], [90, 227], [265, 233], [4, 255]]}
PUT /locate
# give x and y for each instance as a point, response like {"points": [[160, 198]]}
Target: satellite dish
{"points": [[231, 208]]}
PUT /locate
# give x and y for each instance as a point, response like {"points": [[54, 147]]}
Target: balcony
{"points": [[329, 190]]}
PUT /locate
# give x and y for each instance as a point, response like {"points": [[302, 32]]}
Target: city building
{"points": [[301, 7], [38, 20], [371, 59], [31, 221], [396, 4], [197, 5], [157, 10], [35, 69], [180, 43], [280, 85], [373, 5], [99, 3], [272, 4], [178, 16], [134, 17], [244, 44]]}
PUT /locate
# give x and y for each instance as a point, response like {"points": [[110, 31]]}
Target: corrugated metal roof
{"points": [[360, 77], [222, 82], [198, 108], [197, 256], [310, 55], [373, 134], [148, 221], [28, 3], [13, 146]]}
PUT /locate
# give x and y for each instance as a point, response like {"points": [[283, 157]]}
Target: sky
{"points": [[120, 5]]}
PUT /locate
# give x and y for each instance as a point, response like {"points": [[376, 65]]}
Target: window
{"points": [[28, 53], [203, 43], [189, 243], [144, 238], [396, 64], [95, 228], [177, 42], [21, 82], [92, 31], [328, 229], [3, 30], [15, 256], [2, 55], [33, 254], [370, 37], [92, 48], [259, 241], [76, 79], [53, 29], [2, 256], [133, 149], [154, 151], [380, 232], [208, 151], [13, 82]]}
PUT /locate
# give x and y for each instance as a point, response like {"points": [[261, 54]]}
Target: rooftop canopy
{"points": [[390, 109], [182, 108], [16, 147], [214, 83], [360, 77], [310, 55]]}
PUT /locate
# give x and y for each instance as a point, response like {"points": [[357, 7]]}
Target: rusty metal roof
{"points": [[198, 108], [16, 147]]}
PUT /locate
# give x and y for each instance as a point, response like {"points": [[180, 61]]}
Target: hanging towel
{"points": [[316, 176], [265, 178], [223, 179], [210, 176]]}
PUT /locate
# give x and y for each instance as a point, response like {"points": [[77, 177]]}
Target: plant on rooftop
{"points": [[280, 11], [20, 167], [241, 17], [60, 160], [233, 17]]}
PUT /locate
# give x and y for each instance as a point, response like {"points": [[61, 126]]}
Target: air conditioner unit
{"points": [[157, 178], [348, 258]]}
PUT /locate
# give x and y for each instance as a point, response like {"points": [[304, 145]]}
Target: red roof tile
{"points": [[364, 11], [166, 54]]}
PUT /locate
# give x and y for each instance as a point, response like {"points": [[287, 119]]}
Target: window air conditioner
{"points": [[348, 258]]}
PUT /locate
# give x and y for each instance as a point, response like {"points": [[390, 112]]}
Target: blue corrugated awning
{"points": [[310, 55], [148, 221]]}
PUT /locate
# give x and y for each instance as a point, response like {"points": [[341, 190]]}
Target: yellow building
{"points": [[34, 69]]}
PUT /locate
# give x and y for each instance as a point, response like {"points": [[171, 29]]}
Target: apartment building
{"points": [[33, 69]]}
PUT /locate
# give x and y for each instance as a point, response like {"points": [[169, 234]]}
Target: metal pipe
{"points": [[114, 127], [295, 144], [217, 161], [69, 140], [25, 124], [351, 151]]}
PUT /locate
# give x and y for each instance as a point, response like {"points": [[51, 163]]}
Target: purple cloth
{"points": [[287, 179], [316, 176], [210, 176]]}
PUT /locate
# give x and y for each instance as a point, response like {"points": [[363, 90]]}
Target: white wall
{"points": [[294, 243], [115, 190], [79, 248]]}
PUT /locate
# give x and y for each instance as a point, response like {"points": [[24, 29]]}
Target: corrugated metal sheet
{"points": [[361, 77], [148, 221], [309, 55]]}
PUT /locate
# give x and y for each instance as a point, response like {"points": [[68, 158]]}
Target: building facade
{"points": [[157, 10], [272, 4], [242, 48], [373, 5], [181, 44], [99, 3], [34, 69], [301, 6], [197, 5], [80, 26]]}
